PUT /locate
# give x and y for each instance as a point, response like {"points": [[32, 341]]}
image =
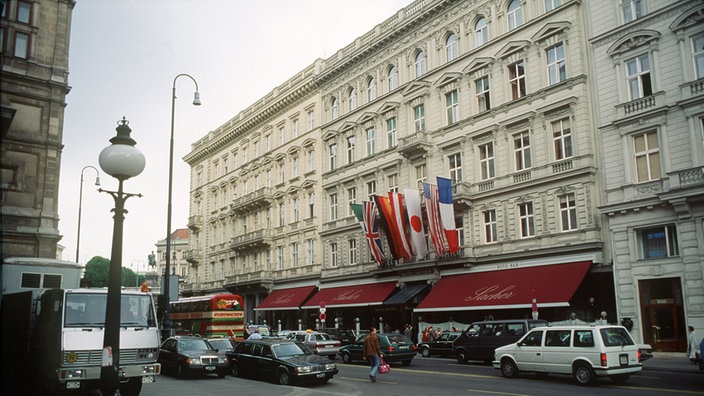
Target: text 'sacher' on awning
{"points": [[351, 296], [285, 299], [553, 286], [405, 294]]}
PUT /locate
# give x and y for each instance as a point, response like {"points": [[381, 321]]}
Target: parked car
{"points": [[583, 351], [319, 343], [282, 361], [184, 355], [222, 344], [480, 339], [442, 346], [344, 335], [395, 347]]}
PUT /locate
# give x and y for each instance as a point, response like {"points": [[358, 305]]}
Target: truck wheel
{"points": [[131, 388]]}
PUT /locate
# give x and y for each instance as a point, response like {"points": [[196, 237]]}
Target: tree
{"points": [[97, 274]]}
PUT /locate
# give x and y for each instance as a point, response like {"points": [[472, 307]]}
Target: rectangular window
{"points": [[21, 45], [421, 176], [391, 132], [332, 149], [371, 188], [568, 212], [282, 174], [521, 150], [370, 142], [562, 139], [490, 226], [282, 214], [525, 213], [311, 119], [24, 11], [698, 55], [294, 255], [352, 243], [483, 97], [517, 79], [311, 252], [295, 209], [295, 167], [455, 163], [311, 205], [279, 257], [551, 5], [632, 10], [311, 160], [419, 118], [282, 136], [452, 106], [646, 150], [334, 255], [351, 198], [350, 149], [638, 74], [295, 128], [658, 242], [393, 183], [333, 206], [486, 161], [556, 64]]}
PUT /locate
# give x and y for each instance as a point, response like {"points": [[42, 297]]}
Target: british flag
{"points": [[371, 230], [430, 197]]}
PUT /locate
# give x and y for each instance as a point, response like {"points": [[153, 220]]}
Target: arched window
{"points": [[352, 99], [393, 78], [334, 107], [481, 33], [514, 15], [420, 63], [451, 47], [371, 89]]}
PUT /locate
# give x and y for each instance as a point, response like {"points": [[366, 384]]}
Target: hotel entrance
{"points": [[662, 310]]}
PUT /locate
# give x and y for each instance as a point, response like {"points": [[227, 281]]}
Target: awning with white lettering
{"points": [[285, 299], [351, 296], [552, 285]]}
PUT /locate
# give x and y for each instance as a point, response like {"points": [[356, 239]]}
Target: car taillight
{"points": [[391, 349], [604, 362], [639, 356], [413, 347]]}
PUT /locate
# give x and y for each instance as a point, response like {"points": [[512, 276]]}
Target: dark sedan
{"points": [[395, 347], [442, 346], [185, 355], [222, 344], [281, 361]]}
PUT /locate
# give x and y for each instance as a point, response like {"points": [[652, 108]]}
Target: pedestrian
{"points": [[692, 345], [255, 335], [432, 335], [372, 352], [408, 331]]}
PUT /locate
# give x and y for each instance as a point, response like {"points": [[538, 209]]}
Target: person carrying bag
{"points": [[372, 352], [384, 367]]}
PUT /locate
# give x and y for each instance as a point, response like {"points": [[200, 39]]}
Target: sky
{"points": [[124, 56]]}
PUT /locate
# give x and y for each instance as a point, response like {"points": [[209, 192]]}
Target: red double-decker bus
{"points": [[209, 316]]}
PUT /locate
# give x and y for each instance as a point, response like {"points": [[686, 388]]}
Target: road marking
{"points": [[367, 380], [435, 372], [496, 393]]}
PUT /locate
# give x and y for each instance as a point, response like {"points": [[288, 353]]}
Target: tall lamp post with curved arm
{"points": [[166, 328], [80, 205]]}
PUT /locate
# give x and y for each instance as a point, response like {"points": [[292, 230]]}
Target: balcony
{"points": [[414, 146], [252, 240], [639, 106], [194, 223], [253, 201], [193, 256]]}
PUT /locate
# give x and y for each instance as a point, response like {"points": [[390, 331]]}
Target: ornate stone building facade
{"points": [[35, 41]]}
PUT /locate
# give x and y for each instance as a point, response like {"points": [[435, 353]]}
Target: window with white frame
{"points": [[421, 176], [311, 160], [352, 99], [311, 119], [282, 135], [334, 255], [311, 252], [24, 11], [419, 118], [350, 149], [282, 214], [646, 150], [294, 255], [332, 199], [267, 140], [639, 78], [311, 204], [419, 63], [521, 150], [295, 128], [525, 214], [491, 233], [551, 5], [658, 242], [351, 198], [514, 14], [255, 262], [282, 173], [455, 164], [562, 139], [568, 212], [295, 167], [451, 50], [483, 96], [486, 161], [517, 79], [391, 140], [393, 78], [698, 55], [332, 155], [352, 248], [295, 210], [279, 258], [481, 32], [371, 188], [393, 182], [334, 108], [632, 10], [370, 141], [556, 64], [452, 106], [371, 89]]}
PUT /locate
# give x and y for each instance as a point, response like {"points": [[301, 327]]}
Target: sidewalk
{"points": [[671, 361]]}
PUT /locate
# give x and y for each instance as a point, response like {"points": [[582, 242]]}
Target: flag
{"points": [[366, 214], [430, 197], [390, 228], [416, 221], [401, 223], [447, 214]]}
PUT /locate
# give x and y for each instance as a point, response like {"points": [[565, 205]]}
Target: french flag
{"points": [[447, 213]]}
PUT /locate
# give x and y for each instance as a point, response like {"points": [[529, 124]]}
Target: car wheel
{"points": [[461, 357], [180, 371], [346, 357], [425, 352], [235, 370], [406, 362], [508, 368], [583, 374], [283, 377], [620, 378], [133, 387]]}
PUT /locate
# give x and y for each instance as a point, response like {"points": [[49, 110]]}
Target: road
{"points": [[434, 376]]}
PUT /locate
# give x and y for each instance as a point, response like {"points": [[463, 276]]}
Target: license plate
{"points": [[403, 347], [321, 375], [147, 379], [210, 368], [623, 359], [73, 385]]}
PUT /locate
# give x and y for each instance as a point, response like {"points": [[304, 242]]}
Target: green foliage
{"points": [[97, 274]]}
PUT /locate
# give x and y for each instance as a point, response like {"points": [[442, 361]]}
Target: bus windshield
{"points": [[88, 310]]}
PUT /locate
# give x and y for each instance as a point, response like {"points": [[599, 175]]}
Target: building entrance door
{"points": [[662, 313]]}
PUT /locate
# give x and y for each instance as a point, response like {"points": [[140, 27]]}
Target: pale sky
{"points": [[124, 56]]}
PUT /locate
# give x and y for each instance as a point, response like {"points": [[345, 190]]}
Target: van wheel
{"points": [[425, 352], [620, 378], [283, 377], [583, 374], [508, 368], [346, 357], [461, 357]]}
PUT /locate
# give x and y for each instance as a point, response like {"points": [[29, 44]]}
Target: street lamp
{"points": [[80, 205], [120, 160], [166, 328]]}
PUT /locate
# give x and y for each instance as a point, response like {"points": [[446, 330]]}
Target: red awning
{"points": [[552, 285], [285, 298], [352, 296]]}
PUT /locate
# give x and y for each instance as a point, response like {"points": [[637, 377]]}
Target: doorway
{"points": [[664, 327]]}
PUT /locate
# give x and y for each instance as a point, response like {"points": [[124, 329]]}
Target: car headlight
{"points": [[195, 360], [223, 359], [304, 369], [330, 366]]}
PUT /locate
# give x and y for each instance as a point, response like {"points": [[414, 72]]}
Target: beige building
{"points": [[179, 253], [34, 36]]}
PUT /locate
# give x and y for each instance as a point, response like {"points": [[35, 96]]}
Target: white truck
{"points": [[53, 341]]}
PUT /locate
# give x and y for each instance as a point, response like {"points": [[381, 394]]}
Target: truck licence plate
{"points": [[147, 379]]}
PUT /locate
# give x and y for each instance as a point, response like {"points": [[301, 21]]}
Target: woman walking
{"points": [[372, 352]]}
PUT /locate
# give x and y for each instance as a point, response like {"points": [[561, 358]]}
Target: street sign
{"points": [[322, 316]]}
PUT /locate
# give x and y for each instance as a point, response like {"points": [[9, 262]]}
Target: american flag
{"points": [[430, 197], [371, 230]]}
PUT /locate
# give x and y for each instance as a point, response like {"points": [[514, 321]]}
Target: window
{"points": [[352, 99], [282, 136], [391, 132], [371, 89], [311, 160], [568, 212], [646, 149], [514, 15], [334, 255], [486, 160], [421, 176], [658, 242], [311, 204], [521, 150], [551, 5], [562, 139], [281, 173], [370, 141], [333, 206], [698, 55], [371, 188], [351, 198], [311, 251], [451, 47], [558, 338], [419, 118], [393, 183], [632, 10], [311, 119], [294, 255], [24, 10], [638, 74], [517, 79], [556, 64], [295, 128], [350, 149], [295, 167], [481, 33], [282, 214], [525, 213], [455, 162], [352, 243], [21, 45], [452, 106], [295, 210], [490, 226], [393, 78], [334, 108], [483, 97], [420, 63], [332, 149]]}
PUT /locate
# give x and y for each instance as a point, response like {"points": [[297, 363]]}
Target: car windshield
{"points": [[320, 337], [193, 345], [287, 350], [220, 344], [616, 336]]}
